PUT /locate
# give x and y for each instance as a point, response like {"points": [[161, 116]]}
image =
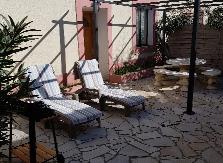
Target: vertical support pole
{"points": [[63, 51], [164, 36], [192, 59], [32, 139], [10, 136], [95, 12], [60, 158]]}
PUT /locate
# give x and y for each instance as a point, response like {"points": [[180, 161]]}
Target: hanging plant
{"points": [[215, 18]]}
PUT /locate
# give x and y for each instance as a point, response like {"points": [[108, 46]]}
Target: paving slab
{"points": [[95, 153], [170, 132], [130, 150], [144, 160], [160, 142], [178, 161], [170, 152], [211, 156], [161, 133], [149, 135]]}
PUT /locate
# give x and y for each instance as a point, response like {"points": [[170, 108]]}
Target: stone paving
{"points": [[161, 133]]}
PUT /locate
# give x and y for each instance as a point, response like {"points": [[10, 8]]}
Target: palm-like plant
{"points": [[12, 38]]}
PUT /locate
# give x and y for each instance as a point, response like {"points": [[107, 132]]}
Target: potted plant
{"points": [[12, 37]]}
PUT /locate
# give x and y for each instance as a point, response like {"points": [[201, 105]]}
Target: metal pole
{"points": [[192, 59], [164, 33], [60, 158], [10, 136], [95, 12], [32, 139]]}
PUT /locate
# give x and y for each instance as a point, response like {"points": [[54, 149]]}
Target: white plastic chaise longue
{"points": [[92, 81], [48, 91]]}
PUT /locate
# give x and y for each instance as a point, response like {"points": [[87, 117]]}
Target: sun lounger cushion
{"points": [[127, 98], [73, 110], [48, 91], [45, 81], [92, 79], [91, 74]]}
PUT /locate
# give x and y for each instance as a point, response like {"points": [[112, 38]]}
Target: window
{"points": [[144, 26]]}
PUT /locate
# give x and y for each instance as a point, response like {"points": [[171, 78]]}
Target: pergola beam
{"points": [[164, 4]]}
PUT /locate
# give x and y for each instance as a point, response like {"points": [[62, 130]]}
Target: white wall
{"points": [[103, 42], [42, 13], [121, 33]]}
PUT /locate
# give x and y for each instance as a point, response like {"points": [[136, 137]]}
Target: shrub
{"points": [[12, 37]]}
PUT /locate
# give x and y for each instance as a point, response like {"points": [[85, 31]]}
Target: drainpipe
{"points": [[192, 59], [95, 12]]}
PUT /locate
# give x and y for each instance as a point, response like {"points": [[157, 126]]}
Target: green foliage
{"points": [[175, 21], [128, 68], [12, 38], [215, 18]]}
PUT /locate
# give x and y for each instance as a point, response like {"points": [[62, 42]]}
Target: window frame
{"points": [[139, 41]]}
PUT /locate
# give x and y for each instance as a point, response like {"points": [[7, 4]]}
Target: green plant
{"points": [[12, 38], [175, 21], [128, 68], [215, 18]]}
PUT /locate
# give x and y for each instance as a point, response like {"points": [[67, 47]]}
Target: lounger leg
{"points": [[127, 112], [71, 131], [143, 106], [102, 103], [47, 124], [99, 122]]}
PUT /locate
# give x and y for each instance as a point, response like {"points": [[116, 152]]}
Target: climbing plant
{"points": [[215, 18], [175, 21]]}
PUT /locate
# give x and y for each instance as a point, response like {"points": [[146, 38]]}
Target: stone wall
{"points": [[209, 45]]}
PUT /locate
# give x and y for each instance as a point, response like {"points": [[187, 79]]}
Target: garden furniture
{"points": [[71, 112], [94, 84], [184, 63], [211, 75], [161, 76]]}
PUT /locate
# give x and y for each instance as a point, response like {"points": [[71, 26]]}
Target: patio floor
{"points": [[161, 133]]}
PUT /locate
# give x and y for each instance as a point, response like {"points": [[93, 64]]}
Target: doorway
{"points": [[89, 35], [103, 57]]}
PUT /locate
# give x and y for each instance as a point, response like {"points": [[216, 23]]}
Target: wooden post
{"points": [[192, 59], [10, 136]]}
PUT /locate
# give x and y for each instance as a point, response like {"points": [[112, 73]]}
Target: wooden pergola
{"points": [[167, 5]]}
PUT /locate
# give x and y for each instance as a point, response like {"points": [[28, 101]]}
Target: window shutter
{"points": [[150, 27], [138, 27]]}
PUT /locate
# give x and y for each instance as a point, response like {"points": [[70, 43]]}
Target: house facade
{"points": [[67, 33]]}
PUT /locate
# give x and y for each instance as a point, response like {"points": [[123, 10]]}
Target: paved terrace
{"points": [[162, 133]]}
